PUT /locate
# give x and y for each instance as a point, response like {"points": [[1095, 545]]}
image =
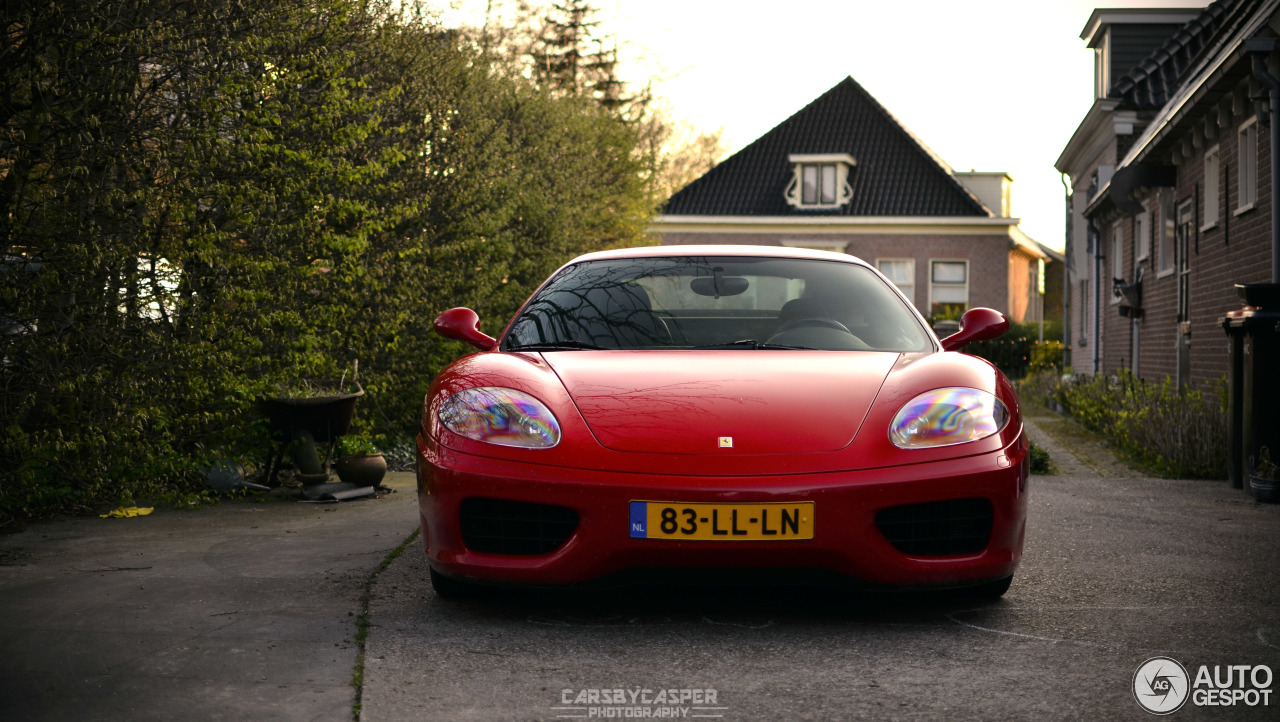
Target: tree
{"points": [[200, 203], [560, 46]]}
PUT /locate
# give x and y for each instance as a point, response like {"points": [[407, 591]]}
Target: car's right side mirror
{"points": [[463, 324], [977, 324]]}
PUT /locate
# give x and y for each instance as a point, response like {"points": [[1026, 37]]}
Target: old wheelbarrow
{"points": [[299, 423]]}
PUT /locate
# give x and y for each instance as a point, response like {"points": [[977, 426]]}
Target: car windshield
{"points": [[717, 302]]}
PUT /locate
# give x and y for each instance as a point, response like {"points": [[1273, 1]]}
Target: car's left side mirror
{"points": [[977, 324], [463, 324]]}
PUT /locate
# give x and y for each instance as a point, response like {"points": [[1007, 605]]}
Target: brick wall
{"points": [[1237, 249]]}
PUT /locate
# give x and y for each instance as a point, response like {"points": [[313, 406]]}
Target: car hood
{"points": [[723, 401]]}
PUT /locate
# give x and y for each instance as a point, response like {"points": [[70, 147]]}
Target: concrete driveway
{"points": [[1116, 571], [243, 611], [249, 611]]}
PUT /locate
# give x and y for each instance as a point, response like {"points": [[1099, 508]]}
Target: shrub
{"points": [[1039, 386], [1039, 460], [1177, 432]]}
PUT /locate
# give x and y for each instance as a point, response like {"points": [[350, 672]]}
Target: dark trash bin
{"points": [[1253, 385]]}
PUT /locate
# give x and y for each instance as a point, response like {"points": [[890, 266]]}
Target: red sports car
{"points": [[659, 413]]}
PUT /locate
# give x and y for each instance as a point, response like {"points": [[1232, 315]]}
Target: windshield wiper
{"points": [[751, 343], [557, 346]]}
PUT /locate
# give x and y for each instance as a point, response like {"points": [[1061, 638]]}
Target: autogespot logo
{"points": [[1160, 685]]}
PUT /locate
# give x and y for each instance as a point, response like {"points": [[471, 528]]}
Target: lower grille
{"points": [[938, 528], [498, 526]]}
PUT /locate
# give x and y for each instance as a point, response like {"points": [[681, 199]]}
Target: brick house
{"points": [[1171, 193], [843, 174]]}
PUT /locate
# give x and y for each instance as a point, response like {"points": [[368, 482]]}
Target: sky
{"points": [[989, 85]]}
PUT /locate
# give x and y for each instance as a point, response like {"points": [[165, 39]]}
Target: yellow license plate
{"points": [[771, 521]]}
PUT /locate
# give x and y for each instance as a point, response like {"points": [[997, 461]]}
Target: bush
{"points": [[1040, 462], [1177, 432], [1039, 386], [207, 202]]}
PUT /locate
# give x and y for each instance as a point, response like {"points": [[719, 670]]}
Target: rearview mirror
{"points": [[719, 285], [977, 324], [463, 324]]}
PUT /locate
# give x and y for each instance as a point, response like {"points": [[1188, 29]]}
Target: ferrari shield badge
{"points": [[726, 442]]}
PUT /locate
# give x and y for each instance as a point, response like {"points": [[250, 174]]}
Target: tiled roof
{"points": [[1153, 81], [895, 175]]}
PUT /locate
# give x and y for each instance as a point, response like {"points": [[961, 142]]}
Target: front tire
{"points": [[450, 588], [992, 590]]}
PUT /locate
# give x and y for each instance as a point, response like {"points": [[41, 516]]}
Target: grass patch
{"points": [[363, 623]]}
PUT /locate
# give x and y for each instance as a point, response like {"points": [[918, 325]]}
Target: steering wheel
{"points": [[821, 321]]}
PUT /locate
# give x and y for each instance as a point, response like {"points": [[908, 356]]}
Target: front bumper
{"points": [[846, 539]]}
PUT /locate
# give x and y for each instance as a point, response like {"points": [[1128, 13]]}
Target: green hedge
{"points": [[201, 203], [1175, 432]]}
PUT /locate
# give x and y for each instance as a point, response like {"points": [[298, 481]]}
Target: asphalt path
{"points": [[1116, 571]]}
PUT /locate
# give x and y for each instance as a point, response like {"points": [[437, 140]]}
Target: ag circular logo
{"points": [[1161, 685]]}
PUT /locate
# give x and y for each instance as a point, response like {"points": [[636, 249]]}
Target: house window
{"points": [[1117, 261], [1142, 236], [1211, 175], [902, 271], [820, 180], [1247, 167], [818, 184], [948, 289], [1164, 251]]}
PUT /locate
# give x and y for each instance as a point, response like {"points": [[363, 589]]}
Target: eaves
{"points": [[1224, 61], [855, 225], [1100, 127]]}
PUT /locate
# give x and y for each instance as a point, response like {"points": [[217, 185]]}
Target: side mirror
{"points": [[463, 324], [977, 324]]}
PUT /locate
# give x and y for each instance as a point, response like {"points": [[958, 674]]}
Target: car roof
{"points": [[720, 250]]}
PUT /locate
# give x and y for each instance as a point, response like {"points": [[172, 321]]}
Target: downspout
{"points": [[1096, 234], [1260, 49], [1066, 277]]}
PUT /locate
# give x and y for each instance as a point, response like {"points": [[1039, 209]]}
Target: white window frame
{"points": [[1114, 263], [965, 261], [1141, 237], [911, 272], [842, 192], [1164, 241], [1212, 184], [1247, 166]]}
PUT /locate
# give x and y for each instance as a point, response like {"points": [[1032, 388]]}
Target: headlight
{"points": [[945, 417], [500, 416]]}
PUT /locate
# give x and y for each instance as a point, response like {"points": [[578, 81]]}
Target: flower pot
{"points": [[361, 469], [1265, 490]]}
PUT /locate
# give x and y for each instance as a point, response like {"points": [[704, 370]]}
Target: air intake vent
{"points": [[497, 526], [938, 528]]}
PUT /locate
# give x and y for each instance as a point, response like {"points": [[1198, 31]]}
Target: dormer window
{"points": [[820, 180]]}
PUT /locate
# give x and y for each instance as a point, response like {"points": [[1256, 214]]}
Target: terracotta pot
{"points": [[361, 469]]}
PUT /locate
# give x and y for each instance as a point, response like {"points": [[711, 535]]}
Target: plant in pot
{"points": [[1264, 481], [359, 461]]}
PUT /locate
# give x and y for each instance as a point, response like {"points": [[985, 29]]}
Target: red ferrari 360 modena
{"points": [[697, 409]]}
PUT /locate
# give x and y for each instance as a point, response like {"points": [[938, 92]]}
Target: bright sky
{"points": [[992, 85]]}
